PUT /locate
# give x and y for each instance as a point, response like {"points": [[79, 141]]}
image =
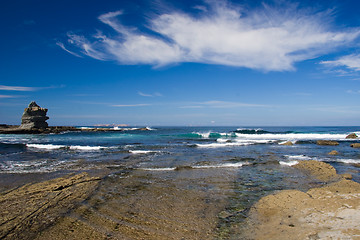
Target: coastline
{"points": [[174, 183], [16, 129], [328, 212]]}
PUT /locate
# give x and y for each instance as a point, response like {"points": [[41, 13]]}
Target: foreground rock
{"points": [[28, 210], [330, 212], [34, 117], [327, 143], [320, 170]]}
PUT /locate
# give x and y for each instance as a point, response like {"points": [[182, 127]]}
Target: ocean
{"points": [[229, 167]]}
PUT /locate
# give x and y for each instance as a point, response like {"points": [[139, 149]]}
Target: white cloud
{"points": [[132, 105], [222, 104], [8, 96], [61, 45], [17, 88], [268, 39], [156, 94], [351, 62]]}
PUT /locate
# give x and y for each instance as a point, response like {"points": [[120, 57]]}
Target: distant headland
{"points": [[33, 121]]}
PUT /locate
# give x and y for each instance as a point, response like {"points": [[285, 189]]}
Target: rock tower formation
{"points": [[34, 117]]}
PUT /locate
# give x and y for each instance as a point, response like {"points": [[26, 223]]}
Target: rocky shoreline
{"points": [[30, 209], [16, 129], [328, 212]]}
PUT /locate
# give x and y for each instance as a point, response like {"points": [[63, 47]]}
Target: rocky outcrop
{"points": [[327, 143], [34, 117], [320, 170], [351, 136], [288, 143], [329, 212], [355, 145]]}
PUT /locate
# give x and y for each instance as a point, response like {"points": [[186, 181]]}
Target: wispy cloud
{"points": [[350, 62], [8, 96], [18, 88], [131, 105], [267, 38], [156, 94], [26, 89], [353, 91], [222, 104], [61, 45]]}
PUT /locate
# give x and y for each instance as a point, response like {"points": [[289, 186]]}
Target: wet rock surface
{"points": [[327, 143], [329, 212], [29, 209], [320, 170], [355, 145]]}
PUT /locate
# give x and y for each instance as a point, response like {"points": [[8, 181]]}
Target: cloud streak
{"points": [[157, 94], [61, 45], [223, 104], [18, 88], [267, 38], [8, 96], [351, 62], [132, 105]]}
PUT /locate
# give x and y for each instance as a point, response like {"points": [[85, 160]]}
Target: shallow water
{"points": [[174, 182]]}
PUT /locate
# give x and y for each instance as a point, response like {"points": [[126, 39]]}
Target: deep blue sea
{"points": [[165, 148]]}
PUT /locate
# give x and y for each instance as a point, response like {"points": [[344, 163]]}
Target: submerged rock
{"points": [[351, 136], [327, 143], [333, 152], [34, 117]]}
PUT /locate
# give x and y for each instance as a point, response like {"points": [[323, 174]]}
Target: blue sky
{"points": [[142, 62]]}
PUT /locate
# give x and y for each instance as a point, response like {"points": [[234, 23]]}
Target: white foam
{"points": [[45, 146], [55, 147], [290, 163], [141, 151], [87, 148], [223, 165], [292, 136], [298, 157], [283, 142], [350, 161], [222, 143], [158, 169]]}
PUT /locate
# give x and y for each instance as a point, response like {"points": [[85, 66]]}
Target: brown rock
{"points": [[355, 145], [333, 152], [34, 117], [347, 176], [288, 143], [329, 212], [351, 136], [27, 210], [327, 143], [320, 170]]}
